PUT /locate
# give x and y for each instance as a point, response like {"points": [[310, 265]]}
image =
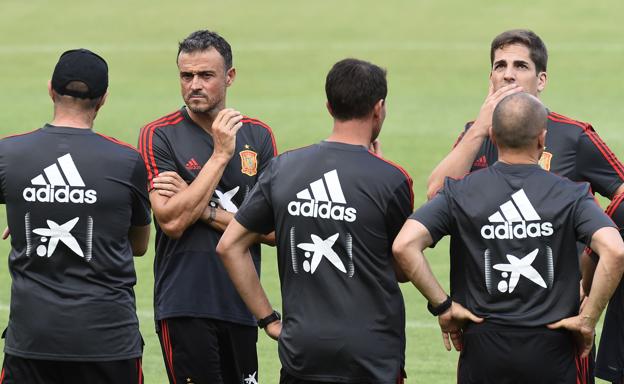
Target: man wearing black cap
{"points": [[78, 210]]}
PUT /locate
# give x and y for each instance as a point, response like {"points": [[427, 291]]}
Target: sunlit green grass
{"points": [[436, 54]]}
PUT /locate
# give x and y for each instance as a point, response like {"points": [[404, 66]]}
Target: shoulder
{"points": [[170, 119], [561, 120], [391, 168], [18, 137], [256, 124], [117, 144]]}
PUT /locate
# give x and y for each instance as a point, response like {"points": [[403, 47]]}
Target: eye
{"points": [[186, 76]]}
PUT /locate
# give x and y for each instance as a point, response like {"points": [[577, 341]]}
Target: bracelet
{"points": [[274, 316], [440, 309], [212, 214]]}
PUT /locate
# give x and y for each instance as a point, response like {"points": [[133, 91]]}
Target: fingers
{"points": [[227, 120], [6, 233], [563, 323], [506, 91], [456, 338], [447, 342]]}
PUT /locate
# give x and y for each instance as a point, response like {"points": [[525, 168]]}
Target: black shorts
{"points": [[18, 370], [495, 354], [286, 378], [610, 361], [198, 351]]}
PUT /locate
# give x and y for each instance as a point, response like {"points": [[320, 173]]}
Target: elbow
{"points": [[172, 229], [139, 250], [398, 249], [433, 186], [222, 249]]}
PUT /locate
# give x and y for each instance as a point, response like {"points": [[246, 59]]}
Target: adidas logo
{"points": [[324, 199], [63, 185], [513, 217], [481, 162], [193, 165]]}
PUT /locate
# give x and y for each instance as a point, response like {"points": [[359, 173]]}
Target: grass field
{"points": [[436, 53]]}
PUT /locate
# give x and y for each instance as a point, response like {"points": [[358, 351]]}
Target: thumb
{"points": [[474, 318], [557, 325]]}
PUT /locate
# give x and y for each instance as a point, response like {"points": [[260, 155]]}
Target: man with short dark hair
{"points": [[202, 161], [514, 265], [573, 149], [334, 221], [78, 211]]}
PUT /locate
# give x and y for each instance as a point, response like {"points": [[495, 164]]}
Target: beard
{"points": [[205, 105]]}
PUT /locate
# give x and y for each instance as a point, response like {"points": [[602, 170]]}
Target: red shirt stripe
{"points": [[247, 119], [404, 172], [146, 140]]}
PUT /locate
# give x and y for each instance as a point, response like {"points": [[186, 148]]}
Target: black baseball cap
{"points": [[84, 66]]}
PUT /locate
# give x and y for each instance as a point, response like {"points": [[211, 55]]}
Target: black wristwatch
{"points": [[440, 309], [262, 323]]}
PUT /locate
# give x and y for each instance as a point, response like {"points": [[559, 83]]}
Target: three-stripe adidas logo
{"points": [[60, 183], [193, 165], [325, 199], [513, 216]]}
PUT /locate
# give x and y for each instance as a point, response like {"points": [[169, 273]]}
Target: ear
{"points": [[101, 103], [541, 140], [542, 79], [230, 75], [329, 109], [379, 109], [491, 136], [50, 91]]}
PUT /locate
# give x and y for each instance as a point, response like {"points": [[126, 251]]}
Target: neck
{"points": [[205, 119], [73, 118], [518, 157], [356, 132]]}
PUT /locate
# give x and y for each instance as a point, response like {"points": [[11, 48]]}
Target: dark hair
{"points": [[85, 104], [537, 49], [203, 40], [353, 87], [518, 120]]}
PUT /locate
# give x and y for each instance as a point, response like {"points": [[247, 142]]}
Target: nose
{"points": [[510, 74], [196, 82]]}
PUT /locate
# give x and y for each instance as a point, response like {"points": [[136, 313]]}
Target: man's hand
{"points": [[274, 329], [483, 123], [169, 183], [6, 233], [583, 330], [452, 323], [375, 147], [224, 128]]}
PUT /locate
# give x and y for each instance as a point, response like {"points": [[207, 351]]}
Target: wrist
{"points": [[212, 213], [440, 308], [220, 158], [265, 321]]}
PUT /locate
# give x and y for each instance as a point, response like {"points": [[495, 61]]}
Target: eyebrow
{"points": [[515, 62]]}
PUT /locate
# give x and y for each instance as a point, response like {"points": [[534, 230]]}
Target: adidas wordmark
{"points": [[326, 201], [518, 220], [55, 189]]}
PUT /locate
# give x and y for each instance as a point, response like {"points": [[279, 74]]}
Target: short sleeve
{"points": [[589, 218], [156, 153], [597, 164], [399, 208], [256, 213], [268, 149], [436, 216], [140, 200]]}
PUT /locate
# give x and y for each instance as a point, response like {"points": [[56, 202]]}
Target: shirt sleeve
{"points": [[256, 213], [268, 150], [140, 200], [597, 164], [155, 151], [436, 216], [399, 207], [589, 218]]}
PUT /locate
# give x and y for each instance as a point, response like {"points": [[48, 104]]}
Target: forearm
{"points": [[139, 239], [217, 218], [420, 274], [457, 163], [606, 279], [183, 209]]}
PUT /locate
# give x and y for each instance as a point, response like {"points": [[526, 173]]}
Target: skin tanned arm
{"points": [[607, 242], [233, 248], [458, 162], [408, 250], [176, 213], [139, 239]]}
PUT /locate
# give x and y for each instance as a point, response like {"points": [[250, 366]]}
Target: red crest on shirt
{"points": [[544, 161], [249, 162]]}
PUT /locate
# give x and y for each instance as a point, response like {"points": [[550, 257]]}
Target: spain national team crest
{"points": [[544, 161], [249, 162]]}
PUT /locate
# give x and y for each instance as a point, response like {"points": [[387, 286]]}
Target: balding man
{"points": [[514, 264]]}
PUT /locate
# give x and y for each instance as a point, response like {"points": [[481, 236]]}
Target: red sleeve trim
{"points": [[404, 172], [247, 119], [615, 203], [20, 134], [146, 140], [598, 142]]}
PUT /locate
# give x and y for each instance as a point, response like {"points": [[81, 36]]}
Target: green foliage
{"points": [[436, 53]]}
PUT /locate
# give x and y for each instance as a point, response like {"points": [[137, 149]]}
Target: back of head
{"points": [[353, 87], [518, 120], [537, 48], [204, 40], [80, 78]]}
